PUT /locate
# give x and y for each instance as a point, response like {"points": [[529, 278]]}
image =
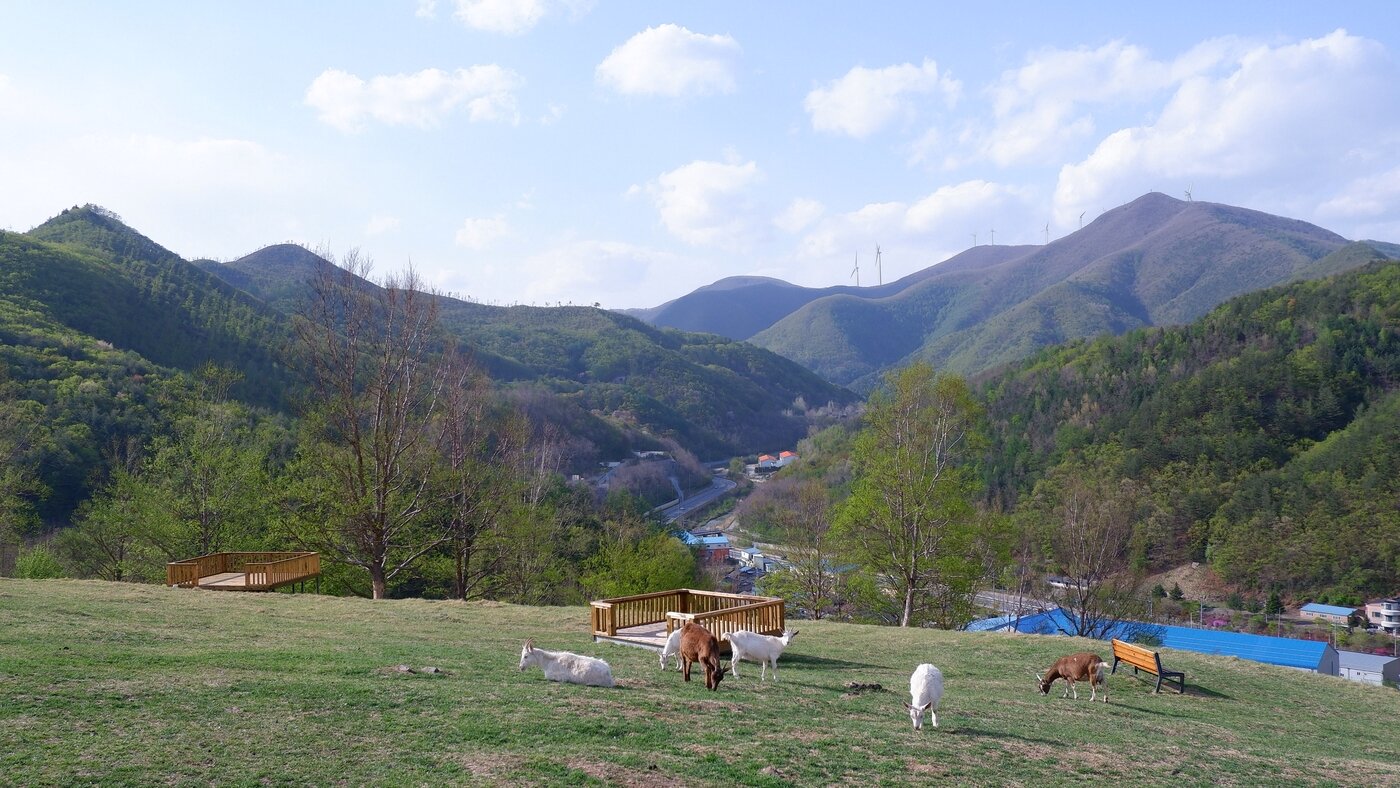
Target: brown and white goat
{"points": [[1085, 666], [698, 645]]}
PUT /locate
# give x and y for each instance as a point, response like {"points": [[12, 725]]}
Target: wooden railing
{"points": [[261, 571], [718, 612], [271, 574]]}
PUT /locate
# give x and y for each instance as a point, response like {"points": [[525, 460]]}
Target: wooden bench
{"points": [[1146, 659]]}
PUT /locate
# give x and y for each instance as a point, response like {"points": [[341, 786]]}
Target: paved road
{"points": [[718, 487]]}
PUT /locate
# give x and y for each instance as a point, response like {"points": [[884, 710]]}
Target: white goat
{"points": [[925, 689], [763, 649], [567, 666], [672, 649]]}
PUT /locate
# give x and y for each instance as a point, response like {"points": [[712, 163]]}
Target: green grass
{"points": [[124, 684]]}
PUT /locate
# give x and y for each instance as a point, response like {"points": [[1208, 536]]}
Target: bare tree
{"points": [[805, 530], [1091, 519], [483, 447], [368, 354]]}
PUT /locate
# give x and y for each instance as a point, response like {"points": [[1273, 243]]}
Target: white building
{"points": [[1384, 613], [1368, 668]]}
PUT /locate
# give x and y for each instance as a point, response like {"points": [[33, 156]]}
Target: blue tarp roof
{"points": [[1306, 654], [1331, 610], [705, 541]]}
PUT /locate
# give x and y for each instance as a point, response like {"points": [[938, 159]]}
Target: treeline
{"points": [[1264, 436]]}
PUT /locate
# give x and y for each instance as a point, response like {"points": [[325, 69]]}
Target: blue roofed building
{"points": [[1330, 613], [1288, 652]]}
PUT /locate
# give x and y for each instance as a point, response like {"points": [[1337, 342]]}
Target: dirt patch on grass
{"points": [[487, 766], [613, 774]]}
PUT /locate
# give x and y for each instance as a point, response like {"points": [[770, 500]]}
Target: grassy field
{"points": [[123, 684]]}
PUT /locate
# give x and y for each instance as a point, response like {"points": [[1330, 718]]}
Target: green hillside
{"points": [[1154, 261], [714, 396], [97, 276], [118, 684], [1268, 432], [740, 306]]}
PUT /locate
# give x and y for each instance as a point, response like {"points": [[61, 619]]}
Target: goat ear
{"points": [[908, 706]]}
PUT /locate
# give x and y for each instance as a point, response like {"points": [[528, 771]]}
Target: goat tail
{"points": [[1102, 670]]}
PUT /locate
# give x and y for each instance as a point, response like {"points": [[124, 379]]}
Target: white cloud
{"points": [[1041, 108], [422, 99], [479, 233], [427, 9], [800, 213], [707, 202], [379, 224], [554, 115], [928, 230], [511, 17], [867, 100], [671, 61], [613, 273], [1316, 115], [200, 196]]}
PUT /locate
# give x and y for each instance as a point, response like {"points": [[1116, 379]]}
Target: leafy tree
{"points": [[107, 540], [910, 518], [656, 563], [1274, 607]]}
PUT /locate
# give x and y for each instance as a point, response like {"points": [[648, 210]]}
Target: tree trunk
{"points": [[908, 605], [376, 580]]}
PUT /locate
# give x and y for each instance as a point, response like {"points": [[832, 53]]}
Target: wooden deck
{"points": [[244, 571], [645, 620]]}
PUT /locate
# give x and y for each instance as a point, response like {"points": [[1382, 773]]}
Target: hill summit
{"points": [[1154, 261]]}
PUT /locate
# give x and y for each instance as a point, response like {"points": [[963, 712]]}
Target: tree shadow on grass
{"points": [[823, 662]]}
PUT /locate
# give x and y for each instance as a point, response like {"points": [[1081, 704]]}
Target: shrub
{"points": [[38, 564]]}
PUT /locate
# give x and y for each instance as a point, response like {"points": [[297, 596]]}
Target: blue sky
{"points": [[543, 151]]}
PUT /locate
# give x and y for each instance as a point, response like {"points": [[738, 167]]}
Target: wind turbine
{"points": [[974, 239], [1047, 233], [994, 237], [1081, 219], [879, 269], [1188, 193], [856, 271]]}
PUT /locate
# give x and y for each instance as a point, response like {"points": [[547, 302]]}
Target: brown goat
{"points": [[1085, 666], [698, 645]]}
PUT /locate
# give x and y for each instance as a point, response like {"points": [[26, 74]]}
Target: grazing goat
{"points": [[672, 649], [698, 645], [567, 666], [1085, 666], [763, 649], [925, 690]]}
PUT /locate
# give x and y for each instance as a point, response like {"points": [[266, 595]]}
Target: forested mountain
{"points": [[87, 270], [1155, 261], [97, 323], [740, 306], [1266, 435], [714, 396]]}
